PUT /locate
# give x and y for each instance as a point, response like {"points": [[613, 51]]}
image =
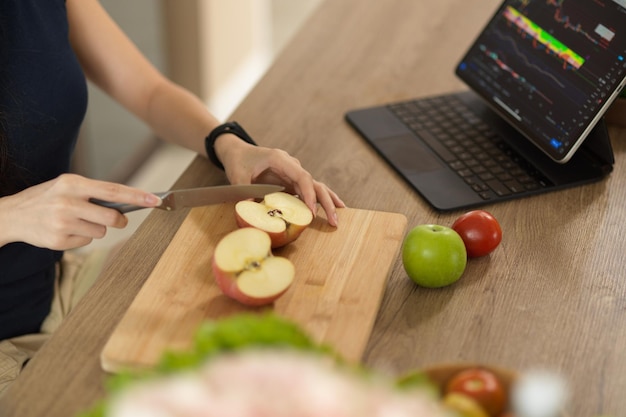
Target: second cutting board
{"points": [[341, 275]]}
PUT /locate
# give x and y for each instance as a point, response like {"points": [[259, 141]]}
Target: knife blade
{"points": [[195, 197]]}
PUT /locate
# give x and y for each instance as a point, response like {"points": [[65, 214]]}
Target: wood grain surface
{"points": [[341, 274], [552, 296]]}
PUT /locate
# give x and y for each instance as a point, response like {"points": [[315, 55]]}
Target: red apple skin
{"points": [[227, 282], [279, 239]]}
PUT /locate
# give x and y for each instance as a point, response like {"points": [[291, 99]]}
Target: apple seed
{"points": [[250, 265]]}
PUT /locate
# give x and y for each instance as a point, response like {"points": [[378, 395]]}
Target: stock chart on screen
{"points": [[553, 62]]}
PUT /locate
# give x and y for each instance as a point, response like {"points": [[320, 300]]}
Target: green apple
{"points": [[433, 256]]}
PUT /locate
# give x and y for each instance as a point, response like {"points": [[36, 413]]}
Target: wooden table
{"points": [[552, 296]]}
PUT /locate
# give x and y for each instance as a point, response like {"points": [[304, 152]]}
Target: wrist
{"points": [[7, 223], [230, 128]]}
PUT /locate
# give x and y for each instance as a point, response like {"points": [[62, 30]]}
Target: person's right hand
{"points": [[58, 215]]}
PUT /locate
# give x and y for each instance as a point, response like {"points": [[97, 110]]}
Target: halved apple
{"points": [[246, 270], [283, 216]]}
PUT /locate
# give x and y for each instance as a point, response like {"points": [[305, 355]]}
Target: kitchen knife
{"points": [[194, 197]]}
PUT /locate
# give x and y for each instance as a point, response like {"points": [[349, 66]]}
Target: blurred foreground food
{"points": [[261, 365]]}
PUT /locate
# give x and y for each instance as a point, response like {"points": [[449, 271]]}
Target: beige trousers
{"points": [[75, 274]]}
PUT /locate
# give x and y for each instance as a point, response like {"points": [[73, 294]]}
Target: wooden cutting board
{"points": [[341, 275]]}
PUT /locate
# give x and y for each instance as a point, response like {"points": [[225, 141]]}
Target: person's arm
{"points": [[112, 62]]}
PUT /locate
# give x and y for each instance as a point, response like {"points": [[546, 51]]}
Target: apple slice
{"points": [[246, 270], [283, 216]]}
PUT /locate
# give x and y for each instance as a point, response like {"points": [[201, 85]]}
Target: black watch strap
{"points": [[230, 127]]}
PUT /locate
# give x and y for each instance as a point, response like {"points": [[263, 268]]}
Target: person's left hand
{"points": [[245, 164]]}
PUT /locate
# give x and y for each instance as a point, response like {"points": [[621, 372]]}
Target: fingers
{"points": [[297, 179], [69, 219], [310, 190], [116, 193], [305, 188], [329, 201], [275, 166], [101, 216], [80, 190]]}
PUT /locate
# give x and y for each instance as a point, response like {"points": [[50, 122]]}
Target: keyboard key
{"points": [[514, 186], [437, 146], [498, 188]]}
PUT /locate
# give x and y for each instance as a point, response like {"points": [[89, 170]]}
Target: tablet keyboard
{"points": [[469, 146]]}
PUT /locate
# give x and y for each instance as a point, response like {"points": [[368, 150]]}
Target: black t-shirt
{"points": [[43, 94]]}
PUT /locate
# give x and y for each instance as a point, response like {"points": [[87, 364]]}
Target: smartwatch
{"points": [[230, 127]]}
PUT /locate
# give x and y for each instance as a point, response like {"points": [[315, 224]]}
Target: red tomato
{"points": [[483, 386], [480, 232]]}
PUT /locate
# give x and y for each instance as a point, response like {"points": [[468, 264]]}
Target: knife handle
{"points": [[123, 207]]}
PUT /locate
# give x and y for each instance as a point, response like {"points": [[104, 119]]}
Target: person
{"points": [[48, 49]]}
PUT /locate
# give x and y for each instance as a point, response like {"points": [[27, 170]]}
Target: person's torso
{"points": [[43, 94]]}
